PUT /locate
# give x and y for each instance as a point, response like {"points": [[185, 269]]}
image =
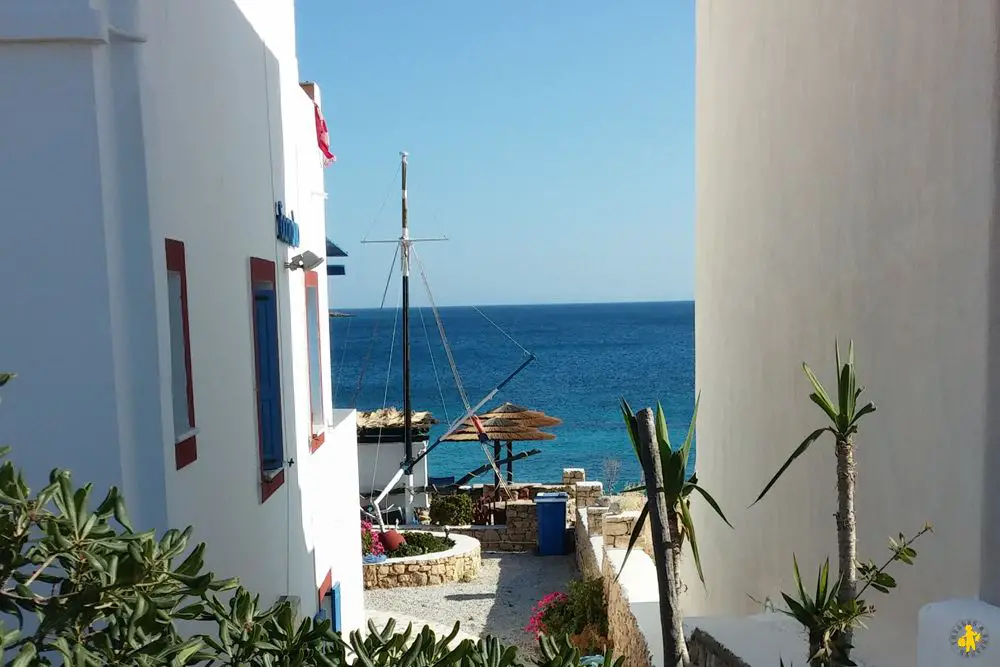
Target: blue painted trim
{"points": [[334, 250], [336, 270], [286, 228], [336, 615]]}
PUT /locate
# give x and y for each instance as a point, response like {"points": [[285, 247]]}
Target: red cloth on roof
{"points": [[323, 138]]}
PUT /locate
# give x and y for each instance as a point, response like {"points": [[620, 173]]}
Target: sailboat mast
{"points": [[404, 241]]}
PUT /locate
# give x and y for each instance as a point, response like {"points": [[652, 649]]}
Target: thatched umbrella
{"points": [[521, 414], [499, 429], [524, 416]]}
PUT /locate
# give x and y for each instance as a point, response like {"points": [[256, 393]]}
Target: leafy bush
{"points": [[580, 615], [536, 624], [419, 543], [103, 594], [453, 510]]}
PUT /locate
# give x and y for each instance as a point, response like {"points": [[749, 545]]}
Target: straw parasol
{"points": [[521, 414], [505, 427]]}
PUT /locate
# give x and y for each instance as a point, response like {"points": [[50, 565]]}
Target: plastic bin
{"points": [[551, 508]]}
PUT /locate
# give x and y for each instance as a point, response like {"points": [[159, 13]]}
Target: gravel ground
{"points": [[497, 603]]}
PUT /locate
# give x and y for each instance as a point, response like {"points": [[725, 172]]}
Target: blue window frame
{"points": [[270, 435], [333, 607], [329, 608]]}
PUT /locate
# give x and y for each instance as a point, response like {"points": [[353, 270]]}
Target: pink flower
{"points": [[371, 543], [536, 625]]}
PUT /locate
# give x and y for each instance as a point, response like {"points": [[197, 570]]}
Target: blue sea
{"points": [[587, 356]]}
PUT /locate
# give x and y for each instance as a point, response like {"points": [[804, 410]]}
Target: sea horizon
{"points": [[517, 305], [587, 356]]}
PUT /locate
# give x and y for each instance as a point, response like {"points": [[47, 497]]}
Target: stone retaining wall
{"points": [[586, 494], [705, 651], [586, 558], [460, 563], [623, 627], [593, 546], [617, 530], [519, 534]]}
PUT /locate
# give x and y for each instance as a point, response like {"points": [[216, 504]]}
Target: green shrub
{"points": [[103, 594], [453, 510], [419, 543], [580, 615]]}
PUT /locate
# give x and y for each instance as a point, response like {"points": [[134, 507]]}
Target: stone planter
{"points": [[460, 563]]}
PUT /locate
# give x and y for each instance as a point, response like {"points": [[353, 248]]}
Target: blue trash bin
{"points": [[551, 508]]}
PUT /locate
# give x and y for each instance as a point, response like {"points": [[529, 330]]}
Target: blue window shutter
{"points": [[268, 379], [335, 616]]}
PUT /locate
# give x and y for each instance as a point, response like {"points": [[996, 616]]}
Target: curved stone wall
{"points": [[460, 563]]}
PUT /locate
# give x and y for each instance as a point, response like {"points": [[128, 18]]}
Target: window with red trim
{"points": [[182, 389], [316, 419], [267, 376]]}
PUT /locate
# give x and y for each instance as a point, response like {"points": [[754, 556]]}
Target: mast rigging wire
{"points": [[437, 378], [385, 393], [371, 342], [454, 368]]}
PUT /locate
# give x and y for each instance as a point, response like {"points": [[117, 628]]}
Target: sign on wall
{"points": [[286, 227]]}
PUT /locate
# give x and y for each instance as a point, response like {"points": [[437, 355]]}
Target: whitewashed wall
{"points": [[177, 121], [81, 337], [256, 145], [846, 187], [378, 463]]}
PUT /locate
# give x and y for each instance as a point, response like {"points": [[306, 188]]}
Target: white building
{"points": [[847, 187], [161, 343]]}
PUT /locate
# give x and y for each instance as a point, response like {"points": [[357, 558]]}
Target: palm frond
{"points": [[799, 451]]}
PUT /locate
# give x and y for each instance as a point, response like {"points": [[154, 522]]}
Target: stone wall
{"points": [[705, 651], [460, 563], [617, 530], [623, 628], [519, 534], [586, 494], [586, 557], [598, 536], [595, 520]]}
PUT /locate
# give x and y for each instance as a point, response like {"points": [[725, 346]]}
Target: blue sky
{"points": [[551, 141]]}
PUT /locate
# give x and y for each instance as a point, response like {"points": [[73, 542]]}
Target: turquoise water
{"points": [[587, 356]]}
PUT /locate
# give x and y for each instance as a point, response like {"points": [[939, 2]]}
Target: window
{"points": [[317, 423], [268, 376], [182, 391]]}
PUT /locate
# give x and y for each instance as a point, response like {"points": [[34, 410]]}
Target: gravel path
{"points": [[497, 603]]}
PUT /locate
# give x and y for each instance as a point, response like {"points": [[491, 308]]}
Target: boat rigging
{"points": [[407, 254]]}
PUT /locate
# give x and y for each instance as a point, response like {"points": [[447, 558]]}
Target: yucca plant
{"points": [[828, 620], [678, 487], [844, 416]]}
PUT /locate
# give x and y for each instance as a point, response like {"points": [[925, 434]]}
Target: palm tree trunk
{"points": [[847, 535], [815, 644], [675, 653], [674, 526]]}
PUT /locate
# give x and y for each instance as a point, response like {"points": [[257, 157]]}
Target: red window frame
{"points": [[315, 439], [186, 450], [325, 587], [262, 270]]}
